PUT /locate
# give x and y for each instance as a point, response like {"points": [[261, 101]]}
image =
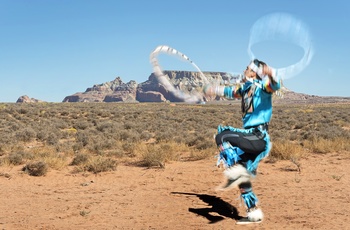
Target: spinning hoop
{"points": [[194, 97], [283, 27]]}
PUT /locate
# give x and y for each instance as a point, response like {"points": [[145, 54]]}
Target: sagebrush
{"points": [[96, 136]]}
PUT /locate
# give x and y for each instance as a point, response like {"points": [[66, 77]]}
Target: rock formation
{"points": [[112, 91], [148, 91], [187, 81], [26, 99]]}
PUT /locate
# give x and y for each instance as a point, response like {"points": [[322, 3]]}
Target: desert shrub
{"points": [[52, 139], [22, 111], [116, 150], [74, 116], [203, 154], [108, 126], [129, 125], [166, 133], [56, 161], [18, 158], [69, 133], [65, 147], [104, 113], [13, 126], [50, 156], [321, 145], [38, 168], [101, 164], [25, 135], [77, 146], [145, 135], [64, 113], [116, 129], [308, 135], [60, 124], [42, 135], [129, 135], [117, 153], [15, 158], [331, 132], [286, 150], [201, 141], [44, 114], [153, 155], [290, 121], [129, 148], [82, 138], [294, 136], [80, 159], [101, 144], [300, 125], [82, 125]]}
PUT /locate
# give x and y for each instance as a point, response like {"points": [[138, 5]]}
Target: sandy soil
{"points": [[180, 196]]}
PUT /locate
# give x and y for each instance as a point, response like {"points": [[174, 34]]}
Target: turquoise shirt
{"points": [[261, 111]]}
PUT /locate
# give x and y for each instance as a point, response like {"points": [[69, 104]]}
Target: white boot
{"points": [[255, 215]]}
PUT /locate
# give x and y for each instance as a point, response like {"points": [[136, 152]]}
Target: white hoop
{"points": [[283, 27], [163, 79]]}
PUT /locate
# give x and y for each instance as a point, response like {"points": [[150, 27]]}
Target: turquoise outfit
{"points": [[250, 144]]}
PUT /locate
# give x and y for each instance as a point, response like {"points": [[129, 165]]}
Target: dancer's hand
{"points": [[209, 90], [267, 70], [270, 72]]}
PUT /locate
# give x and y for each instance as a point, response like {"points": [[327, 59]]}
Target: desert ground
{"points": [[313, 194]]}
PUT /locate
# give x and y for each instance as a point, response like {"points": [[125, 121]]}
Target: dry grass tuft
{"points": [[152, 155], [80, 159], [285, 150], [101, 164], [327, 145]]}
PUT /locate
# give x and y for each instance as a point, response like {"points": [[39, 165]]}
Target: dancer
{"points": [[241, 150]]}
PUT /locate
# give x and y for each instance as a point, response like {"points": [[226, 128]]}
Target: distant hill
{"points": [[148, 91], [152, 91], [289, 96], [26, 99]]}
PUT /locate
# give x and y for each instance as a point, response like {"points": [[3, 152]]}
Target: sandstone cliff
{"points": [[148, 91]]}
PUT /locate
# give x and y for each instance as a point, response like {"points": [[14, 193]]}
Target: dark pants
{"points": [[251, 143]]}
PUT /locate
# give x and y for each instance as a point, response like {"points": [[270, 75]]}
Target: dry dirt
{"points": [[180, 196]]}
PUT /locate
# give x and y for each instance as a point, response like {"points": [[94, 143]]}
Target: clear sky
{"points": [[50, 49]]}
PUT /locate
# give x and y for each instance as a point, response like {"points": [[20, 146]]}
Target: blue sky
{"points": [[50, 49]]}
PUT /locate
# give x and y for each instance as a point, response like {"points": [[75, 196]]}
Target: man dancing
{"points": [[241, 150]]}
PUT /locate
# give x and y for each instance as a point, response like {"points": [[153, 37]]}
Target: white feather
{"points": [[234, 176]]}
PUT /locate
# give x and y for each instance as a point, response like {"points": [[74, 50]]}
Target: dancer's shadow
{"points": [[218, 206]]}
